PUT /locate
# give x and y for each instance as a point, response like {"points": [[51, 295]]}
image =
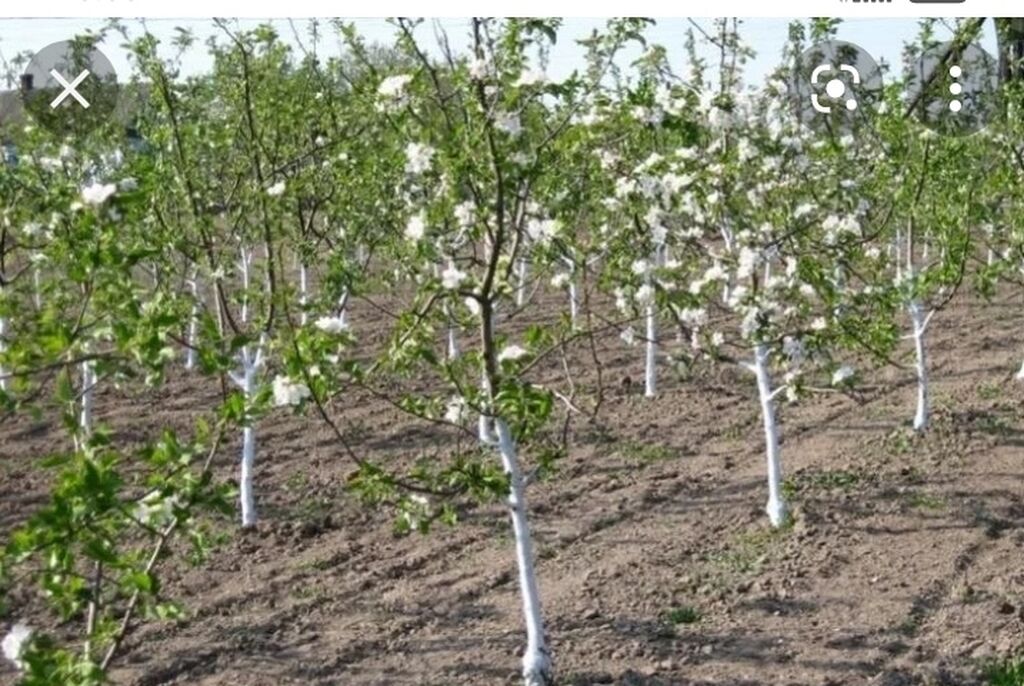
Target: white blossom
{"points": [[748, 261], [560, 280], [532, 77], [473, 305], [465, 212], [97, 193], [289, 392], [394, 86], [509, 123], [479, 67], [14, 643], [842, 375], [452, 277], [641, 267], [276, 190], [645, 295], [417, 158], [416, 227], [695, 317], [542, 229], [455, 410], [333, 325], [628, 336], [751, 323], [511, 352], [156, 510], [803, 211], [836, 227]]}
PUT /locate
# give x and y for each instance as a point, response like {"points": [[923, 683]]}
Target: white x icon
{"points": [[69, 89]]}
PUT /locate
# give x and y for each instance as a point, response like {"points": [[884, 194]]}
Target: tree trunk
{"points": [[537, 669], [776, 507], [917, 319]]}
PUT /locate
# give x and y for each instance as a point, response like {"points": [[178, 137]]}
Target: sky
{"points": [[883, 38]]}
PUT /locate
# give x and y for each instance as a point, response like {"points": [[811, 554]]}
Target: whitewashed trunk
{"points": [[537, 669], [37, 291], [85, 421], [917, 319], [776, 507], [245, 482], [651, 366], [651, 315], [343, 308], [452, 351], [522, 272], [193, 324], [303, 294]]}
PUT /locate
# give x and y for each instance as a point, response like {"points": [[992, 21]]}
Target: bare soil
{"points": [[656, 562]]}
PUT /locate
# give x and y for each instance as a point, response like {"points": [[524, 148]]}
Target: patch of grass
{"points": [[989, 391], [748, 551], [910, 626], [318, 564], [994, 424], [685, 614], [926, 501], [734, 432], [308, 592], [826, 480], [297, 481], [942, 401], [643, 453], [899, 442], [1005, 673]]}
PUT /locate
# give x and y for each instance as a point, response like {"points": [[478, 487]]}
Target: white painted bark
{"points": [[919, 324], [776, 507], [343, 307], [651, 316], [245, 482], [522, 272], [37, 291], [85, 418], [537, 669], [250, 361], [650, 366], [193, 323], [452, 352], [303, 294]]}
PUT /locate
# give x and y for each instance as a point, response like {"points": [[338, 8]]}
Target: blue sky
{"points": [[882, 37]]}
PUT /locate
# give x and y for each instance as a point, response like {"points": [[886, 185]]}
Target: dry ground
{"points": [[655, 561]]}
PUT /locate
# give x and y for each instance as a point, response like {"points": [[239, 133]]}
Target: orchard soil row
{"points": [[656, 562]]}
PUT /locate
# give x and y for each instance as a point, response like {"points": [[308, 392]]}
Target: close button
{"points": [[70, 88]]}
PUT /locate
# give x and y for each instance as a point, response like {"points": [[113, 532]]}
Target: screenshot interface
{"points": [[478, 351]]}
